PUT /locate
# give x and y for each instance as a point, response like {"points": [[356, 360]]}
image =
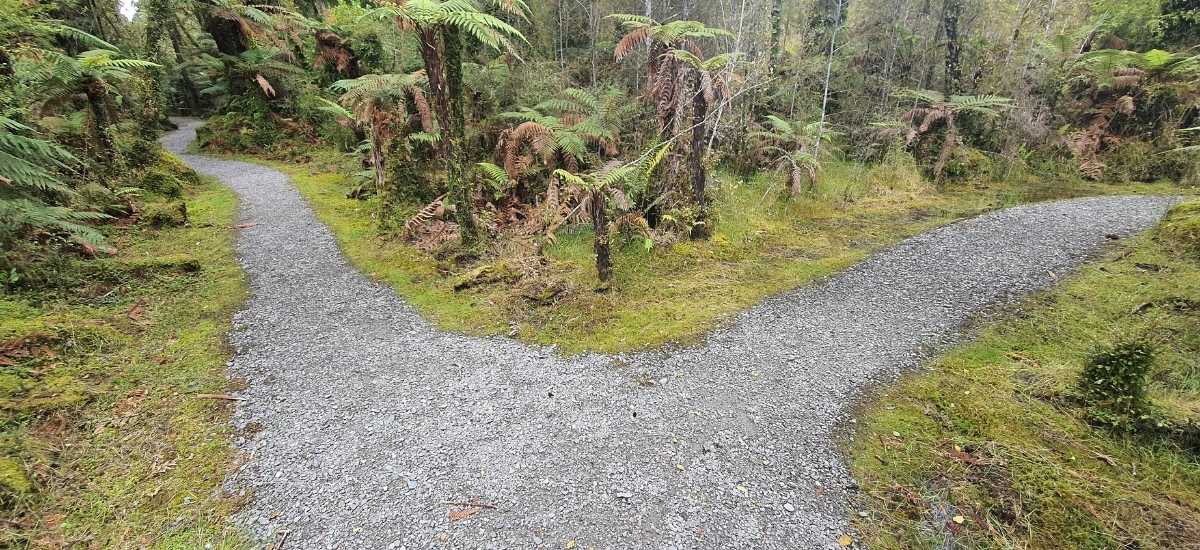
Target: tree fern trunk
{"points": [[458, 180], [950, 141], [696, 161], [378, 164], [600, 230], [951, 14], [94, 91]]}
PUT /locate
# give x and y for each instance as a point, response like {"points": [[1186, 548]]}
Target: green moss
{"points": [[11, 385], [994, 430], [163, 183], [172, 214], [13, 478], [103, 412]]}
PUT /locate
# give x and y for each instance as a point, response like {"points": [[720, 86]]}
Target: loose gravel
{"points": [[363, 424]]}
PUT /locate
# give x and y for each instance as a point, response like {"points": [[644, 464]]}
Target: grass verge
{"points": [[108, 439], [990, 448], [764, 243]]}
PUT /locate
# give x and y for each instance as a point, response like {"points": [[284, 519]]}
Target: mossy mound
{"points": [[1181, 228], [13, 478], [172, 214]]}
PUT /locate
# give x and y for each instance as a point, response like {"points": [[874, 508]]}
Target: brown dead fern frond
{"points": [[419, 222]]}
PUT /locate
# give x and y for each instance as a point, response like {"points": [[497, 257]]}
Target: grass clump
{"points": [[993, 447], [105, 443], [1114, 383]]}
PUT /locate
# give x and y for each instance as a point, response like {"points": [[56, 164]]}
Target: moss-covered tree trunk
{"points": [[94, 90], [457, 175], [776, 34]]}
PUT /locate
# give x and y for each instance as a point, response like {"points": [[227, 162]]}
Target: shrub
{"points": [[1113, 384], [897, 175], [967, 164]]}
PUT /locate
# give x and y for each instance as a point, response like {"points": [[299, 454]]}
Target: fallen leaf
{"points": [[464, 512], [137, 312], [245, 225], [845, 541], [959, 519], [571, 544]]}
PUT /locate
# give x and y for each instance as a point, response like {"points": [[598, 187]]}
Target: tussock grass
{"points": [[764, 243], [105, 444], [994, 432]]}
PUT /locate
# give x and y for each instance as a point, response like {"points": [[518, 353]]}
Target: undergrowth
{"points": [[107, 439], [764, 243], [997, 446]]}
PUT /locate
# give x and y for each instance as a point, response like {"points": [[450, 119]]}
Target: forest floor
{"points": [[367, 426], [115, 434], [765, 243]]}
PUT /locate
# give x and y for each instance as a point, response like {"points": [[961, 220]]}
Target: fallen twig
{"points": [[278, 545], [221, 396], [475, 504]]}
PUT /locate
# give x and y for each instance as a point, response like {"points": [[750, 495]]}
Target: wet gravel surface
{"points": [[363, 424]]}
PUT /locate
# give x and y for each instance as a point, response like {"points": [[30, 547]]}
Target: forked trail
{"points": [[368, 422]]}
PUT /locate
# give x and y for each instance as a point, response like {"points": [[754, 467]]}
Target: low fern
{"points": [[32, 192]]}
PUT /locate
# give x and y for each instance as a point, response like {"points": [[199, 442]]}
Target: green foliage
{"points": [[967, 164], [1113, 383], [33, 190]]}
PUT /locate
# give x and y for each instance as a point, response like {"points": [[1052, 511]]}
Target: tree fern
{"points": [[30, 186]]}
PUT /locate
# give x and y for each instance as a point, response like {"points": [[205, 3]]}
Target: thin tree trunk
{"points": [[952, 14], [594, 24], [699, 178], [828, 74], [949, 143], [600, 245], [776, 34], [458, 182], [377, 163]]}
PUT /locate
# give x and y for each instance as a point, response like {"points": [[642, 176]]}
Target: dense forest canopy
{"points": [[508, 119]]}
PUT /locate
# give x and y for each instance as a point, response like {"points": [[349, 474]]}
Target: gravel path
{"points": [[363, 421]]}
